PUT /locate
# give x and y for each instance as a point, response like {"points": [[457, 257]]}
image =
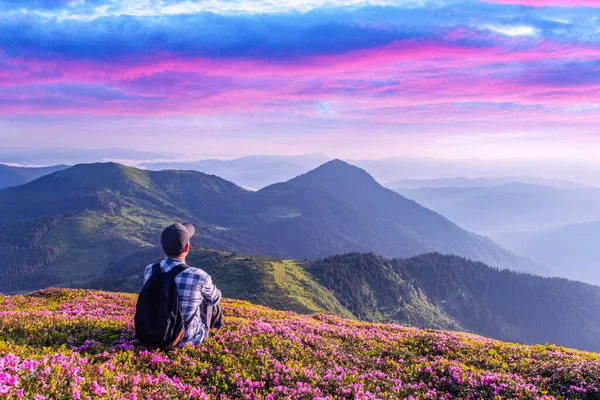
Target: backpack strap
{"points": [[176, 270], [156, 269]]}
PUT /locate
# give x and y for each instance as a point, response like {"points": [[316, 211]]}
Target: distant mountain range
{"points": [[510, 207], [251, 172], [74, 224], [556, 227], [400, 168], [257, 171], [15, 176], [573, 250], [428, 291], [462, 182]]}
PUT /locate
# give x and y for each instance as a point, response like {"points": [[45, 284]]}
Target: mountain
{"points": [[103, 212], [63, 344], [572, 250], [511, 207], [253, 172], [427, 291], [462, 182], [15, 176], [381, 220]]}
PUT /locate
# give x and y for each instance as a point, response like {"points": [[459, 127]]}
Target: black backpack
{"points": [[158, 319]]}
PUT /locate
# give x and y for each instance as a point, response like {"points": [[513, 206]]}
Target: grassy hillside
{"points": [[102, 213], [105, 213], [428, 291], [73, 344], [281, 284]]}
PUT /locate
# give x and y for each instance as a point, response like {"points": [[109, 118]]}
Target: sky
{"points": [[362, 79]]}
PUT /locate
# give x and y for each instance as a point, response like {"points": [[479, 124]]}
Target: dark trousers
{"points": [[212, 316]]}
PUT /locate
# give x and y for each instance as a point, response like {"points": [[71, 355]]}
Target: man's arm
{"points": [[210, 293]]}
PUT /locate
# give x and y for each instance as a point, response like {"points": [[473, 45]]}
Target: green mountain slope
{"points": [[427, 291], [497, 303], [395, 226], [372, 290], [282, 284], [512, 306], [100, 213]]}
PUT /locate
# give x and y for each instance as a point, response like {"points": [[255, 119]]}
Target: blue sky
{"points": [[450, 79]]}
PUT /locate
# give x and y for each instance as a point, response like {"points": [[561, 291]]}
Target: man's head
{"points": [[175, 239]]}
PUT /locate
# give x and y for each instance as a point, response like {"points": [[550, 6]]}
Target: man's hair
{"points": [[176, 254]]}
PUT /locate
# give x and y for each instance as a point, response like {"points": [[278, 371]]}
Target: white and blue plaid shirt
{"points": [[194, 287]]}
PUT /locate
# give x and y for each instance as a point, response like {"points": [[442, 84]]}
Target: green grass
{"points": [[281, 284], [278, 213], [137, 176], [297, 284]]}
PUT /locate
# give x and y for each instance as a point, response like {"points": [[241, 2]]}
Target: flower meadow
{"points": [[78, 344]]}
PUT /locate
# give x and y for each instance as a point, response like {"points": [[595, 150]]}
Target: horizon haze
{"points": [[387, 171]]}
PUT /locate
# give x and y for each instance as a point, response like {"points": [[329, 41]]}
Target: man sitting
{"points": [[197, 298]]}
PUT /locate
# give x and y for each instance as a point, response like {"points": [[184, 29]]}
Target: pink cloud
{"points": [[416, 75], [398, 56]]}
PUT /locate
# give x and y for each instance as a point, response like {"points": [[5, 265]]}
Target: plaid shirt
{"points": [[194, 286]]}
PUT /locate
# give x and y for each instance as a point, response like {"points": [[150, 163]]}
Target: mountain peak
{"points": [[106, 174], [96, 167], [338, 162], [336, 172]]}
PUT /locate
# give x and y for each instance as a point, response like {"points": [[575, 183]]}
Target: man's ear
{"points": [[187, 248]]}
